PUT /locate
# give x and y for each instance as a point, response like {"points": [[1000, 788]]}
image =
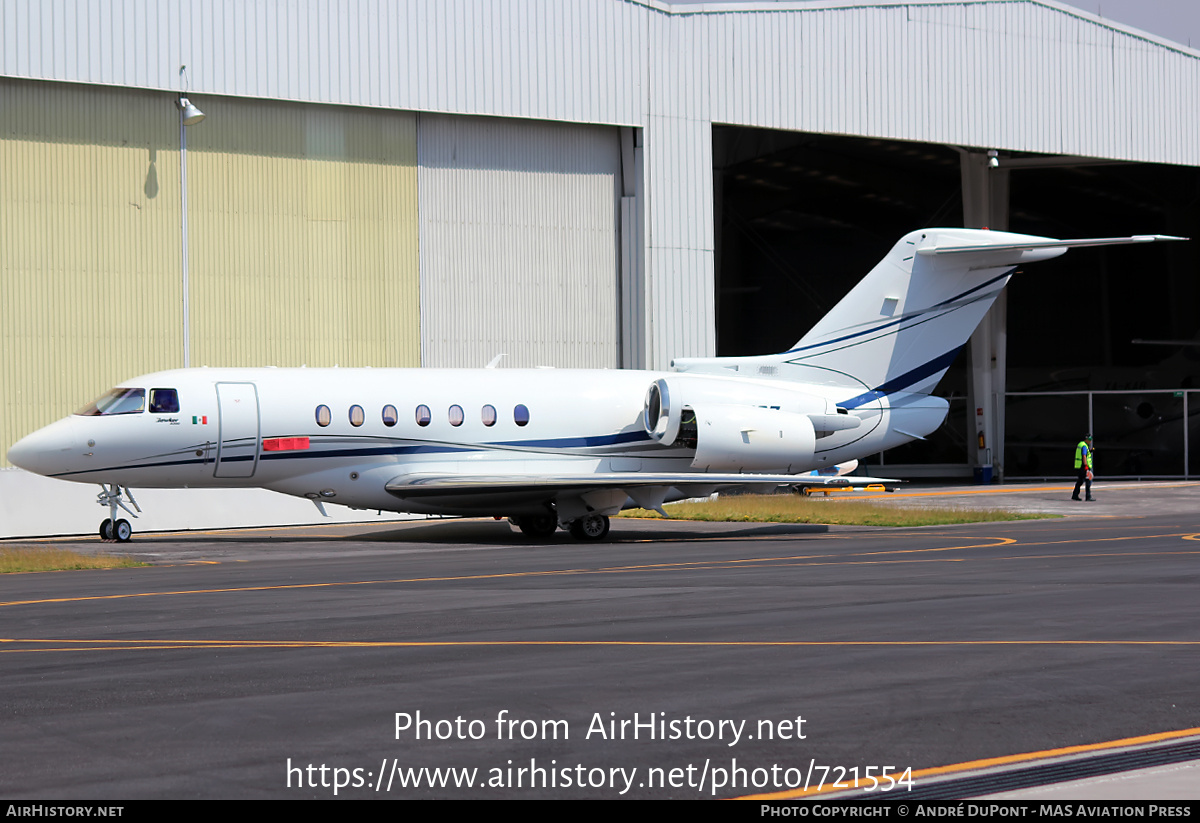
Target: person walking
{"points": [[1083, 467]]}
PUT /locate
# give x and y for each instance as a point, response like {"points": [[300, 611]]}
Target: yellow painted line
{"points": [[699, 565], [72, 645], [1014, 490], [702, 565], [972, 765], [681, 566], [955, 492], [1181, 535], [356, 530], [724, 562], [286, 587]]}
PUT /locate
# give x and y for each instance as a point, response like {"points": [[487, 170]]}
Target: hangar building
{"points": [[595, 183]]}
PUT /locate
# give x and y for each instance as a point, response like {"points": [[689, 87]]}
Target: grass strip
{"points": [[50, 559], [784, 508]]}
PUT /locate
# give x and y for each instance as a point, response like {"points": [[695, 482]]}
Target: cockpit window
{"points": [[164, 401], [116, 401]]}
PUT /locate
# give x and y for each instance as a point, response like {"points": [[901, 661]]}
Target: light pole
{"points": [[189, 115]]}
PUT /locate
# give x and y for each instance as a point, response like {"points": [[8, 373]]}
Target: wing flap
{"points": [[415, 485]]}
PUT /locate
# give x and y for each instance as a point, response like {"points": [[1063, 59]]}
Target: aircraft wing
{"points": [[415, 485]]}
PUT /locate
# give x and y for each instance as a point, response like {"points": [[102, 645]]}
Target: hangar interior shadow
{"points": [[800, 218]]}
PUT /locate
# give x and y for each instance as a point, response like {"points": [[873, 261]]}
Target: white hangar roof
{"points": [[1028, 75]]}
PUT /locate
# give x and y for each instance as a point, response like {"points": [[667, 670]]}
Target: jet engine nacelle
{"points": [[661, 415], [670, 402], [752, 439]]}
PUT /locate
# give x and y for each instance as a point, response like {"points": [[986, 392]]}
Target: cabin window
{"points": [[489, 415], [164, 401], [390, 416], [357, 415], [456, 416], [116, 401], [324, 417], [521, 415], [423, 415]]}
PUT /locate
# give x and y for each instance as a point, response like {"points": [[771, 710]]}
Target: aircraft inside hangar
{"points": [[801, 216]]}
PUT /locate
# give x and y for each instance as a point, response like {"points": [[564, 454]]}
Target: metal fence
{"points": [[1139, 434]]}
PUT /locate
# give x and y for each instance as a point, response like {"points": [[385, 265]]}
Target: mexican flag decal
{"points": [[203, 421]]}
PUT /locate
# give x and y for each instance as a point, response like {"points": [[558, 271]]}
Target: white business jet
{"points": [[559, 448]]}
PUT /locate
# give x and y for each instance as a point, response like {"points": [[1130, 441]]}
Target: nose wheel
{"points": [[114, 496], [119, 530]]}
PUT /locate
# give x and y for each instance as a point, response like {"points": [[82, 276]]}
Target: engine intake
{"points": [[660, 420]]}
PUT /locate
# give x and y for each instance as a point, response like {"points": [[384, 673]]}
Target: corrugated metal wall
{"points": [[1029, 75], [303, 235], [680, 309], [303, 239], [89, 246], [579, 60], [518, 242], [1007, 74], [1032, 75]]}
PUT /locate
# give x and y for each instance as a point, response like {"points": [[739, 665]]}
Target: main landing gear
{"points": [[539, 526], [590, 527], [112, 528]]}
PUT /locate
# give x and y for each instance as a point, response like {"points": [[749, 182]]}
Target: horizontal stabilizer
{"points": [[956, 248]]}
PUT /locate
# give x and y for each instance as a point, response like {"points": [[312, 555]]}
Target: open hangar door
{"points": [[800, 218]]}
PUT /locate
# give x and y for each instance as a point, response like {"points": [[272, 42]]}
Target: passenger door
{"points": [[238, 430]]}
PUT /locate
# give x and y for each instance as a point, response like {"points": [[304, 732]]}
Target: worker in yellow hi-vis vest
{"points": [[1084, 453]]}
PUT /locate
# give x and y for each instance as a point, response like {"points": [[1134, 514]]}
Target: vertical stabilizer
{"points": [[906, 320], [901, 327]]}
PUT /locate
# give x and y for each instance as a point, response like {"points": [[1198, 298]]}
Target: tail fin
{"points": [[900, 328]]}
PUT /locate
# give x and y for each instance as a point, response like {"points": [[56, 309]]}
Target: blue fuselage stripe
{"points": [[904, 319], [391, 450], [903, 381]]}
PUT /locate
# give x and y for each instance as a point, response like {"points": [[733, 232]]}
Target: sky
{"points": [[1177, 20]]}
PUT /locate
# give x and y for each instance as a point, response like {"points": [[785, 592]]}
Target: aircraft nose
{"points": [[47, 450]]}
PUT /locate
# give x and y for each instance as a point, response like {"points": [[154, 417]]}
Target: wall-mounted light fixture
{"points": [[188, 111]]}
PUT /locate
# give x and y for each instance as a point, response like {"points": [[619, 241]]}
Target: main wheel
{"points": [[106, 529], [122, 531], [590, 527], [540, 526]]}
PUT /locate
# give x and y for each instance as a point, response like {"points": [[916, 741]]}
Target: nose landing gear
{"points": [[112, 528]]}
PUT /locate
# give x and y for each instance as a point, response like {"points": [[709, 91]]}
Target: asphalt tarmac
{"points": [[682, 660]]}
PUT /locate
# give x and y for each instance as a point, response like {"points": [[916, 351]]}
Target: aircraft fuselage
{"points": [[339, 435]]}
